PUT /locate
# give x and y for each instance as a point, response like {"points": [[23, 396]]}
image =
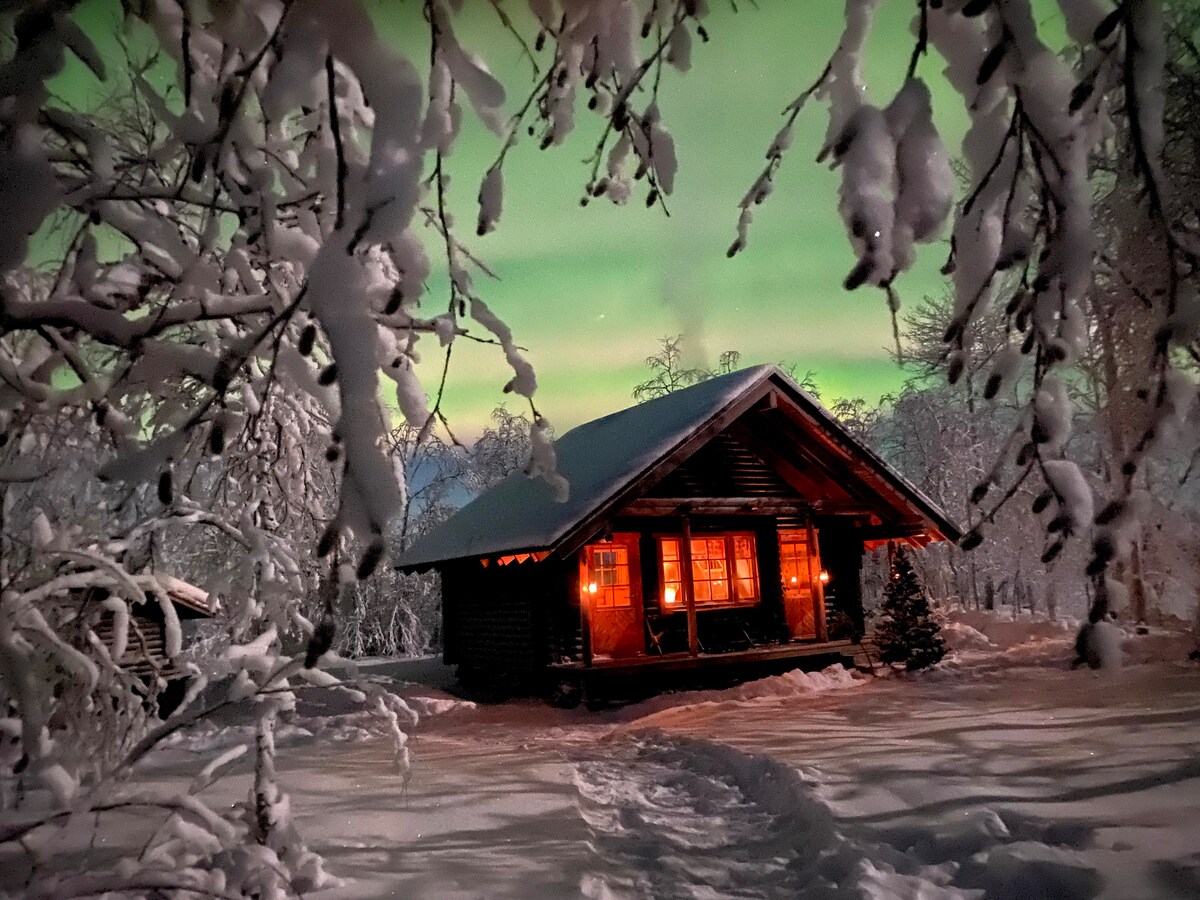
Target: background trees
{"points": [[394, 614], [669, 371]]}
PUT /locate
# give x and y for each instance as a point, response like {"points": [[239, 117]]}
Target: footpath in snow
{"points": [[1000, 774], [677, 817]]}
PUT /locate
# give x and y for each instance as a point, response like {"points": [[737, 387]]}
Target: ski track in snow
{"points": [[677, 817], [673, 817]]}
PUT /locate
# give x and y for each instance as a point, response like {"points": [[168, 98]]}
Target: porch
{"points": [[630, 678]]}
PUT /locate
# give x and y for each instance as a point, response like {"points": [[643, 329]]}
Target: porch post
{"points": [[689, 595], [585, 610], [817, 588]]}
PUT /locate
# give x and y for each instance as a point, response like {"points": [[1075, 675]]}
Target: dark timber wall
{"points": [[499, 620]]}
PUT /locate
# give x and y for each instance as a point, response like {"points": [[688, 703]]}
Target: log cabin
{"points": [[147, 645], [169, 601], [720, 525]]}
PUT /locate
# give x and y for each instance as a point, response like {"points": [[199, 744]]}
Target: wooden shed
{"points": [[722, 524], [170, 601]]}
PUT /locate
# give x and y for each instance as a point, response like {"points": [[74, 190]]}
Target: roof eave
{"points": [[572, 538]]}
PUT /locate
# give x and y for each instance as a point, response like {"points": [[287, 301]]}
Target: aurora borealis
{"points": [[589, 291]]}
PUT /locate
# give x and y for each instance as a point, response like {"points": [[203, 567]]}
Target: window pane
{"points": [[724, 570], [791, 571], [608, 576]]}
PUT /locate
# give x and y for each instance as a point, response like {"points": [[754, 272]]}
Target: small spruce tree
{"points": [[908, 632]]}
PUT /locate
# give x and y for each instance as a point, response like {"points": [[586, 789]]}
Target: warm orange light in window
{"points": [[824, 577], [724, 570]]}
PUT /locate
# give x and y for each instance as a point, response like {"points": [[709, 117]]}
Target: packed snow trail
{"points": [[677, 817], [1020, 778], [1001, 774]]}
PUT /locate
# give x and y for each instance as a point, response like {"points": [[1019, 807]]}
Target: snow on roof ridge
{"points": [[599, 458], [674, 394], [602, 457]]}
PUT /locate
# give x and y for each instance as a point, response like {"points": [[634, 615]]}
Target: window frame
{"points": [[626, 542], [730, 560]]}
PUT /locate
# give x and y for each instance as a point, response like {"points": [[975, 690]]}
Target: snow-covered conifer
{"points": [[907, 632]]}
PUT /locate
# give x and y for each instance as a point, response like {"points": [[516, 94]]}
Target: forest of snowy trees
{"points": [[248, 224]]}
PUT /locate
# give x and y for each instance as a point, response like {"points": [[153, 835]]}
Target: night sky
{"points": [[589, 291]]}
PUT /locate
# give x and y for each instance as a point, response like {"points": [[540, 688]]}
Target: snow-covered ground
{"points": [[1000, 774]]}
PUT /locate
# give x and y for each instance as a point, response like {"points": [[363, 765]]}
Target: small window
{"points": [[793, 560], [606, 580], [724, 571]]}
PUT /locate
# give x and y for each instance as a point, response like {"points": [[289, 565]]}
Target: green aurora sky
{"points": [[589, 291]]}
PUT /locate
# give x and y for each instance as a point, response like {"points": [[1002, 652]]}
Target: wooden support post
{"points": [[818, 587], [689, 593], [585, 610], [1137, 587]]}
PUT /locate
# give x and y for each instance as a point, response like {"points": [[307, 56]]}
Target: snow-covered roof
{"points": [[195, 601], [601, 458]]}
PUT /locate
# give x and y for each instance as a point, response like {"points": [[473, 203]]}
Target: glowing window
{"points": [[606, 581], [724, 571], [793, 561]]}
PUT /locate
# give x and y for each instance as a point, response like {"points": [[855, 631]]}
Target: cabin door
{"points": [[610, 582], [799, 568]]}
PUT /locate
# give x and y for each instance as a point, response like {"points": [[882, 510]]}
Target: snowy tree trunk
{"points": [[1137, 584]]}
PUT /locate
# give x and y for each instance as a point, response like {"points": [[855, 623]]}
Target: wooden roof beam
{"points": [[838, 461], [796, 477], [713, 506], [667, 506], [776, 441], [900, 530]]}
